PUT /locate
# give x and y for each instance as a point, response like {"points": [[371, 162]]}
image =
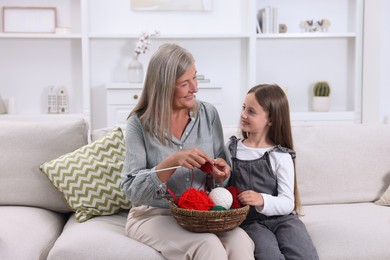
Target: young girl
{"points": [[264, 170]]}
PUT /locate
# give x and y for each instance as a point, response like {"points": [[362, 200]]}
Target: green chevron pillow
{"points": [[90, 177]]}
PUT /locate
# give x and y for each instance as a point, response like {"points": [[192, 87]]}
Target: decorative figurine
{"points": [[62, 100], [52, 106]]}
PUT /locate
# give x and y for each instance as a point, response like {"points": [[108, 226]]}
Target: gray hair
{"points": [[154, 107]]}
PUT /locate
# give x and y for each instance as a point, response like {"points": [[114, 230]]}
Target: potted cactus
{"points": [[321, 99]]}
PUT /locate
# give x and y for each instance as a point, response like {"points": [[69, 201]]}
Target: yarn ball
{"points": [[195, 199], [218, 208], [221, 197], [235, 191], [206, 168]]}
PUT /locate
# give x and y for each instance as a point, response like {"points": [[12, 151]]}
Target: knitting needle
{"points": [[166, 169]]}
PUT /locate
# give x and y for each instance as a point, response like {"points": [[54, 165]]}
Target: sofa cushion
{"points": [[23, 147], [97, 134], [90, 177], [229, 131], [349, 231], [100, 238], [28, 232], [384, 200], [342, 164]]}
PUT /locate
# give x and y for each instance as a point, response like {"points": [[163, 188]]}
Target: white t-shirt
{"points": [[283, 167]]}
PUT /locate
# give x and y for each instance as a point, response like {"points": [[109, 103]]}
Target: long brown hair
{"points": [[154, 107], [274, 101]]}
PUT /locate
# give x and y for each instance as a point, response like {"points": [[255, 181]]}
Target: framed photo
{"points": [[29, 19], [171, 5]]}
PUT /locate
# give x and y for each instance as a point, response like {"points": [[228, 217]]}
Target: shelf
{"points": [[126, 85], [168, 36], [40, 117], [308, 35], [40, 36], [208, 86], [323, 116]]}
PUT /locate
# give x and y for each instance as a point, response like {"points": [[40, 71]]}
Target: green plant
{"points": [[321, 89]]}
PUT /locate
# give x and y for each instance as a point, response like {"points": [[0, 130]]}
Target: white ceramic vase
{"points": [[3, 109], [136, 71], [321, 104]]}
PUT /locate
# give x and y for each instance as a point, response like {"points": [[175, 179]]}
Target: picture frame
{"points": [[29, 19], [171, 5]]}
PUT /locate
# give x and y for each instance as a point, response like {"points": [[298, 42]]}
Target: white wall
{"points": [[376, 62], [385, 63], [32, 65], [219, 59]]}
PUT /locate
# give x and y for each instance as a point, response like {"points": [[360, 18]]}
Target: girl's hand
{"points": [[220, 170], [250, 197]]}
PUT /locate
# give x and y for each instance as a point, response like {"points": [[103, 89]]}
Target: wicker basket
{"points": [[213, 221]]}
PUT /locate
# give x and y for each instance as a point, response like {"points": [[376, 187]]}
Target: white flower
{"points": [[144, 42]]}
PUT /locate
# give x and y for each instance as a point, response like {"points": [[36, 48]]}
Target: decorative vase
{"points": [[321, 104], [136, 71], [3, 109]]}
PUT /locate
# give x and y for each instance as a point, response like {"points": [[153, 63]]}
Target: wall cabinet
{"points": [[121, 98], [91, 60]]}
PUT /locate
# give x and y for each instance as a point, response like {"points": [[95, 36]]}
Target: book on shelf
{"points": [[267, 19], [258, 28], [203, 80]]}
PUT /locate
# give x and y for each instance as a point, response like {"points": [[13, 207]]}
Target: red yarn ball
{"points": [[235, 191], [195, 199]]}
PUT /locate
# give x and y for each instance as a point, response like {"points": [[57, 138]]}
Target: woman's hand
{"points": [[220, 170], [250, 197], [190, 159]]}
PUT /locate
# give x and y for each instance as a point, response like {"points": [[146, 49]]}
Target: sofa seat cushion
{"points": [[28, 232], [349, 231], [101, 237], [26, 145]]}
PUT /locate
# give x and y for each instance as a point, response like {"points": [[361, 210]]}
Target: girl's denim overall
{"points": [[275, 237]]}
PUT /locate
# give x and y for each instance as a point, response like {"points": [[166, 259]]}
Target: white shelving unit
{"points": [[297, 59], [91, 60], [33, 62]]}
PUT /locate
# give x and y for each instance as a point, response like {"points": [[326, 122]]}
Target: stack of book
{"points": [[202, 79], [267, 20]]}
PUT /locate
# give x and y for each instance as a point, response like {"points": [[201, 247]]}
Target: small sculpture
{"points": [[323, 25], [62, 100], [317, 26], [52, 105]]}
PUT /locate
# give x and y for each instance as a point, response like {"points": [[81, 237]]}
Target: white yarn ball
{"points": [[221, 197]]}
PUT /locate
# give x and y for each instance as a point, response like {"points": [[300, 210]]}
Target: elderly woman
{"points": [[169, 136]]}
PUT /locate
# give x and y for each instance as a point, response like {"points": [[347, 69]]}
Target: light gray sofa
{"points": [[35, 221], [342, 170]]}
